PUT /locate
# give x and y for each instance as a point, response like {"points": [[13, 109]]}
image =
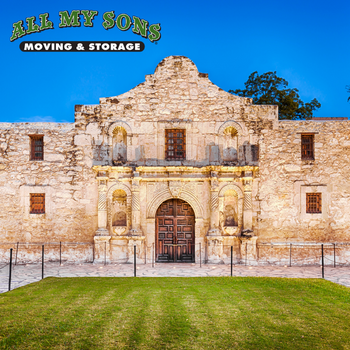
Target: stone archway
{"points": [[175, 232]]}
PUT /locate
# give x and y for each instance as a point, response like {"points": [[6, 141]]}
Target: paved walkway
{"points": [[25, 274]]}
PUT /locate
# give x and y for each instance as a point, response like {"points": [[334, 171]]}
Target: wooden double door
{"points": [[175, 224]]}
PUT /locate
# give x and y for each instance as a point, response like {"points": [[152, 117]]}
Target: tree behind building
{"points": [[269, 89]]}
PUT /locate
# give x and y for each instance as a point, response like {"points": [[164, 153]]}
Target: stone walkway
{"points": [[25, 274]]}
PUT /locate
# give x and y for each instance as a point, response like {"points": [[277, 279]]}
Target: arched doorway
{"points": [[175, 236]]}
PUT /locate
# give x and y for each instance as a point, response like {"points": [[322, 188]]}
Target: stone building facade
{"points": [[178, 168]]}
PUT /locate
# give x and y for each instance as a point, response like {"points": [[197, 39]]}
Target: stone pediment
{"points": [[176, 78]]}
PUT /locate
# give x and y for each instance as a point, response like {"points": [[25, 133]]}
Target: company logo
{"points": [[123, 22]]}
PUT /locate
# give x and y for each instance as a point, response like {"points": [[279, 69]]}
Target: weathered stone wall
{"points": [[175, 96], [119, 145], [68, 183], [285, 178]]}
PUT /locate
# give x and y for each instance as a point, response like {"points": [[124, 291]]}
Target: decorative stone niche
{"points": [[230, 144], [119, 219], [119, 212], [231, 212], [119, 141]]}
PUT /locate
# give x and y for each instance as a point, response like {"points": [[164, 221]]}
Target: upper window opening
{"points": [[37, 147], [314, 203], [175, 144], [307, 147], [37, 203]]}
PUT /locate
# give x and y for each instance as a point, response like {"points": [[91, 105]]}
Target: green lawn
{"points": [[176, 313]]}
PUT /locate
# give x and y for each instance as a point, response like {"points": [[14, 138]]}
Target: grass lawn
{"points": [[176, 313]]}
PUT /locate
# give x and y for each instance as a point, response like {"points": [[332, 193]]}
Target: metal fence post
{"points": [[145, 253], [153, 254], [16, 254], [134, 260], [105, 251], [42, 263], [231, 258], [60, 253], [246, 253], [200, 254], [334, 253], [290, 255], [322, 261], [10, 271]]}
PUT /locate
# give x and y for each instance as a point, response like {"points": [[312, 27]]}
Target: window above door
{"points": [[175, 144]]}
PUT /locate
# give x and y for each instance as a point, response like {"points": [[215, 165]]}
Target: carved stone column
{"points": [[214, 206], [136, 238], [247, 211], [102, 237], [135, 206], [102, 204]]}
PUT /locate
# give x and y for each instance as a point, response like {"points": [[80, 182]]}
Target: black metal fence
{"points": [[262, 254], [303, 254], [61, 252]]}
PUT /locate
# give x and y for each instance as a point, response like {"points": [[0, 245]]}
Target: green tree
{"points": [[269, 89]]}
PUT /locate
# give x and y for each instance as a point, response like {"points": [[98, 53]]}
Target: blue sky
{"points": [[306, 42]]}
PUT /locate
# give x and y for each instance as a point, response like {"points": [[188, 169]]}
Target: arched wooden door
{"points": [[175, 232]]}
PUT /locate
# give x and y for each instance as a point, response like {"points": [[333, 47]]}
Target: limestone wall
{"points": [[285, 179], [68, 183], [120, 144], [175, 96]]}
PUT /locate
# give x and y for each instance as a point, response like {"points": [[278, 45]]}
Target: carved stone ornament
{"points": [[119, 230], [102, 174], [214, 180], [135, 182], [214, 200], [214, 232], [248, 187], [135, 232], [102, 188], [232, 230], [175, 188], [102, 201], [247, 200]]}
